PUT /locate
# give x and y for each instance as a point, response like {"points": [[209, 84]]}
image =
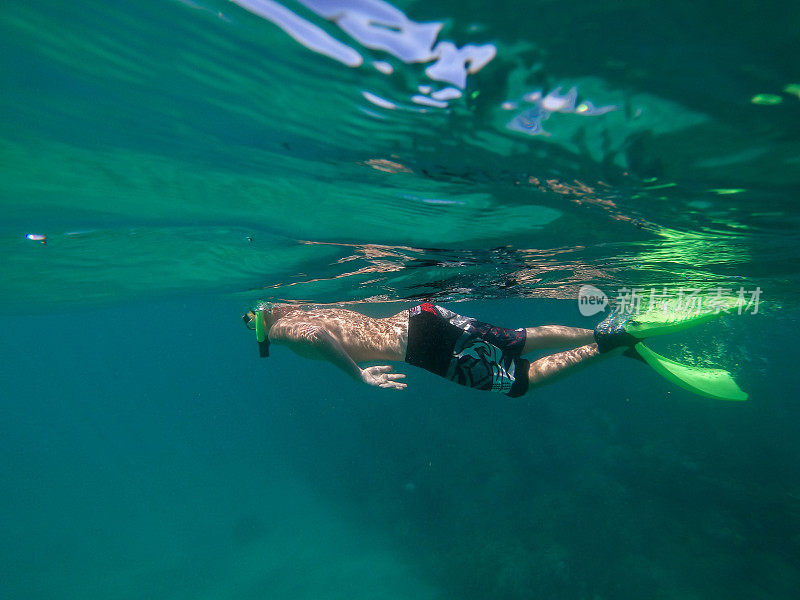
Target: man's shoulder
{"points": [[304, 325], [295, 326], [307, 315], [304, 318]]}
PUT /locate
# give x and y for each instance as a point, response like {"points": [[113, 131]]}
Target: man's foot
{"points": [[610, 333]]}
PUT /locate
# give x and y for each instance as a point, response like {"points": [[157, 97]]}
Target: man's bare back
{"points": [[364, 338]]}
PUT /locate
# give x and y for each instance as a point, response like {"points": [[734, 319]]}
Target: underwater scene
{"points": [[167, 165]]}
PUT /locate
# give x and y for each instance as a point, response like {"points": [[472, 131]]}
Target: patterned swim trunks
{"points": [[467, 351]]}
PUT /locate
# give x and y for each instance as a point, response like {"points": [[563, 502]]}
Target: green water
{"points": [[166, 162], [180, 146]]}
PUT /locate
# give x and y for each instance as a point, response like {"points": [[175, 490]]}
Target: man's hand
{"points": [[382, 377]]}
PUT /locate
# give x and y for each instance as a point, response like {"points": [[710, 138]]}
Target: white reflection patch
{"points": [[378, 101], [378, 25], [426, 101], [530, 121], [308, 34]]}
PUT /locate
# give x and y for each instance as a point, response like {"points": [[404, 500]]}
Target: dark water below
{"points": [[167, 162], [149, 452], [174, 145]]}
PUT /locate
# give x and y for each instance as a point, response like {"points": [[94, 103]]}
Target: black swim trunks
{"points": [[467, 351]]}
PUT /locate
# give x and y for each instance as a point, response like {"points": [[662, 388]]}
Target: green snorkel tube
{"points": [[261, 335], [258, 320]]}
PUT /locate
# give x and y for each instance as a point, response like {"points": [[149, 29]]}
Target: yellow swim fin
{"points": [[713, 383]]}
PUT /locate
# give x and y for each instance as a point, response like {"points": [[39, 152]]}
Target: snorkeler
{"points": [[470, 352]]}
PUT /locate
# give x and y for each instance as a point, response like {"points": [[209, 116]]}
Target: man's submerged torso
{"points": [[363, 338]]}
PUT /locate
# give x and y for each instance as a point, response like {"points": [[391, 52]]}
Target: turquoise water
{"points": [[165, 163], [204, 133]]}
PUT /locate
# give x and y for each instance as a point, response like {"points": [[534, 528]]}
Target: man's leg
{"points": [[556, 336], [557, 366]]}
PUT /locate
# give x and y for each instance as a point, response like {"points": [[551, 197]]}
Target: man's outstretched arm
{"points": [[316, 342]]}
